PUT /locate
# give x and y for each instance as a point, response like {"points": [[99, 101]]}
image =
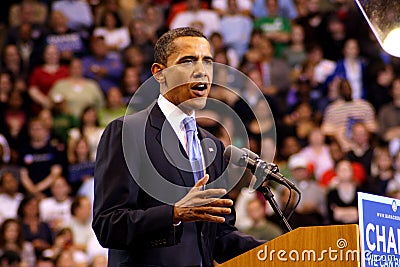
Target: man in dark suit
{"points": [[148, 208]]}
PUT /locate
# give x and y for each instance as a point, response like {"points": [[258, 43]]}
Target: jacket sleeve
{"points": [[118, 221]]}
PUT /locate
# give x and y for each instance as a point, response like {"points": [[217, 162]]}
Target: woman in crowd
{"points": [[34, 230], [12, 238]]}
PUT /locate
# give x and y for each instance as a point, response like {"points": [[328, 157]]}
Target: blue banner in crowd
{"points": [[379, 221]]}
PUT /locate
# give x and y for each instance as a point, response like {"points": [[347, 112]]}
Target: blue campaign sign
{"points": [[379, 223]]}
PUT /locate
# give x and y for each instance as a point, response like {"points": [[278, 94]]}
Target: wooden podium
{"points": [[324, 246]]}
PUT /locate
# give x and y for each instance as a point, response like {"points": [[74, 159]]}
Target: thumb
{"points": [[203, 181]]}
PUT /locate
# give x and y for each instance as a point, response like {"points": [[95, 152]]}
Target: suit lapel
{"points": [[171, 147]]}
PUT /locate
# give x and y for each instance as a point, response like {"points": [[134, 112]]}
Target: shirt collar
{"points": [[173, 114]]}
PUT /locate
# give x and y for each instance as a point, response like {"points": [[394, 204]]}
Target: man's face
{"points": [[188, 73]]}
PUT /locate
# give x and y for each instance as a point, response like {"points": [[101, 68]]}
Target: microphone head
{"points": [[251, 154], [235, 155]]}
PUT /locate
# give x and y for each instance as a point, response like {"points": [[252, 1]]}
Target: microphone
{"points": [[247, 158]]}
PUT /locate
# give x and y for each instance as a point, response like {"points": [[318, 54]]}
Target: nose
{"points": [[199, 70]]}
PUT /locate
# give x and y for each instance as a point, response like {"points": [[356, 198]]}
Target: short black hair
{"points": [[165, 44]]}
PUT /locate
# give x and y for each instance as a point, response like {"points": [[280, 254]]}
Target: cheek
{"points": [[177, 77]]}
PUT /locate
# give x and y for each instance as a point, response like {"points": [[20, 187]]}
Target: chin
{"points": [[195, 103]]}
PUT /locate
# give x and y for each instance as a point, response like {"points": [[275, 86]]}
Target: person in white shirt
{"points": [[10, 197], [55, 210], [205, 20]]}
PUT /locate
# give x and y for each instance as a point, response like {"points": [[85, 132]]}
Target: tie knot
{"points": [[189, 123]]}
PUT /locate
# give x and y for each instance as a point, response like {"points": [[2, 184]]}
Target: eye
{"points": [[208, 62], [187, 62]]}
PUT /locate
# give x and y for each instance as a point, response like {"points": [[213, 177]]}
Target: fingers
{"points": [[204, 213], [203, 181], [211, 202], [208, 193]]}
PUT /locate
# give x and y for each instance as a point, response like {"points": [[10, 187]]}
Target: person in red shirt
{"points": [[44, 76]]}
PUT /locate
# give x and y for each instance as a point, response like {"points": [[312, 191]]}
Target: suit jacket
{"points": [[136, 222]]}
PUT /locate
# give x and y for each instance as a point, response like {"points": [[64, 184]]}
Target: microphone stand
{"points": [[260, 173]]}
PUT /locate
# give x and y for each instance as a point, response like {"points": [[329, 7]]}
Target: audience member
{"points": [[14, 121], [133, 56], [81, 166], [342, 197], [143, 40], [113, 6], [337, 154], [63, 120], [63, 241], [274, 71], [77, 91], [261, 228], [334, 37], [275, 27], [312, 207], [43, 78], [10, 197], [236, 24], [352, 68], [341, 114], [389, 118], [314, 22], [6, 86], [286, 9], [29, 43], [223, 7], [12, 62], [69, 42], [287, 146], [217, 43], [317, 69], [300, 123], [12, 239], [317, 153], [89, 128], [380, 85], [114, 107], [101, 65], [153, 17], [130, 83], [295, 53], [206, 20], [56, 209], [34, 230], [81, 222], [251, 94], [361, 150], [40, 160], [382, 171], [115, 34]]}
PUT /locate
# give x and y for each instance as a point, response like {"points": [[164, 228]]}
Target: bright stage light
{"points": [[383, 17]]}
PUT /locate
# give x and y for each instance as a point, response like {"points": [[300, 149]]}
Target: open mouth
{"points": [[199, 87]]}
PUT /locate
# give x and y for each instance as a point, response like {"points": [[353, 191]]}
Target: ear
{"points": [[157, 71]]}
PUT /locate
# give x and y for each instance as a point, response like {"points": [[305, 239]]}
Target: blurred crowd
{"points": [[321, 99]]}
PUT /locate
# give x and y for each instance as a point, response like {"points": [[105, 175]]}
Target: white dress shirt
{"points": [[175, 117]]}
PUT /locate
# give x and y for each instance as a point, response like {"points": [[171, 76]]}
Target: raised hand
{"points": [[202, 205]]}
